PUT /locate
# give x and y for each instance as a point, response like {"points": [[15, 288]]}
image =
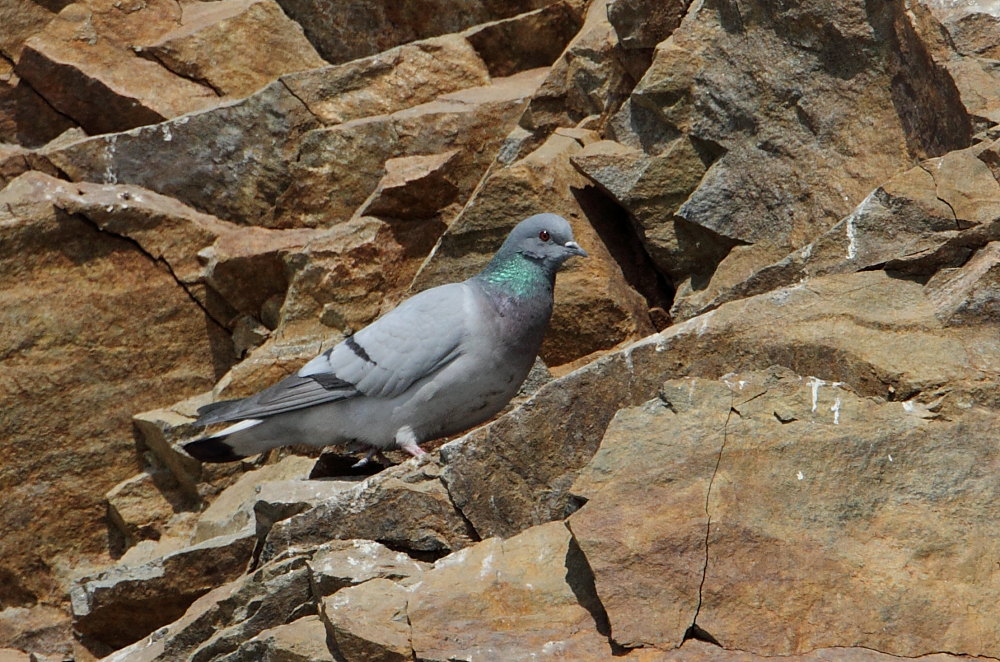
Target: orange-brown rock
{"points": [[77, 301], [235, 47], [347, 32], [339, 167]]}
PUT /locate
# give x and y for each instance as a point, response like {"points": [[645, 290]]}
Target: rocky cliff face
{"points": [[765, 419]]}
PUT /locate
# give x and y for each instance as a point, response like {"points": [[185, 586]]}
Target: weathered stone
{"points": [[645, 23], [25, 117], [338, 168], [398, 78], [303, 640], [12, 655], [651, 188], [342, 563], [88, 47], [595, 306], [258, 41], [700, 651], [645, 500], [855, 499], [534, 39], [878, 334], [20, 21], [926, 218], [233, 509], [118, 606], [789, 156], [347, 32], [527, 598], [970, 294], [230, 161], [587, 81], [369, 623], [414, 187], [402, 507], [42, 629], [141, 506], [76, 301], [229, 616]]}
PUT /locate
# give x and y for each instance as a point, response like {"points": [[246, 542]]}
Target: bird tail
{"points": [[233, 443]]}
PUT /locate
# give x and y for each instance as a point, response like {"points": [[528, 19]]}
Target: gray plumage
{"points": [[441, 362]]}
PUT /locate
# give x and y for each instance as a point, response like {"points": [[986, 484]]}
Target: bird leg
{"points": [[406, 440], [373, 452]]}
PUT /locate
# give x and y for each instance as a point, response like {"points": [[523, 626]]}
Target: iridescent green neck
{"points": [[516, 275]]}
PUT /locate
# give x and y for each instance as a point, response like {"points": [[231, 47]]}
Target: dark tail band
{"points": [[212, 449]]}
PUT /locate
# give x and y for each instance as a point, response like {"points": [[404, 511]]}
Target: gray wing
{"points": [[291, 393], [418, 338]]}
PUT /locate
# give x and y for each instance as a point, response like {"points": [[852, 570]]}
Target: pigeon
{"points": [[441, 362]]}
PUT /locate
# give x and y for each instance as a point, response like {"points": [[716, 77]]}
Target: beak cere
{"points": [[575, 248]]}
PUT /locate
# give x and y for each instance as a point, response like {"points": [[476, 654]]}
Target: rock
{"points": [[404, 507], [647, 187], [414, 187], [230, 161], [233, 509], [585, 85], [258, 41], [228, 617], [43, 629], [89, 47], [303, 640], [514, 473], [11, 655], [782, 172], [526, 598], [701, 651], [645, 23], [25, 117], [395, 79], [831, 472], [970, 294], [20, 21], [80, 305], [141, 506], [341, 563], [924, 219], [666, 495], [124, 603], [350, 32], [595, 306], [349, 158], [530, 40], [369, 623]]}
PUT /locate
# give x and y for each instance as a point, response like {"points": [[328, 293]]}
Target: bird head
{"points": [[547, 238]]}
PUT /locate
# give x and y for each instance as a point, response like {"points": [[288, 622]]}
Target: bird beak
{"points": [[575, 248]]}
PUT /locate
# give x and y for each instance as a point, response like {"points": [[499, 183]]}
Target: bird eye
{"points": [[544, 235]]}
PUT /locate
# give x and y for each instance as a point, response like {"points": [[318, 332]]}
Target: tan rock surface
{"points": [[227, 617], [854, 500], [349, 158], [404, 507], [346, 32], [303, 640], [519, 599], [235, 47], [124, 603], [81, 301], [369, 623]]}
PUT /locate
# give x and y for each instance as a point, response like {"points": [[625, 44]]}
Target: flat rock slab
{"points": [[855, 501]]}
